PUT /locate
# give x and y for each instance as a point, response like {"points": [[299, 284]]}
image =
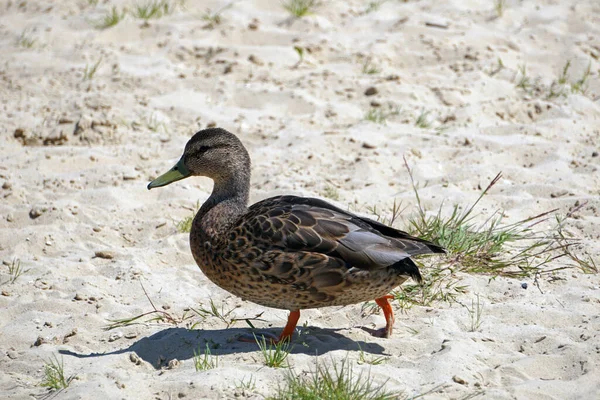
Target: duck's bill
{"points": [[178, 172]]}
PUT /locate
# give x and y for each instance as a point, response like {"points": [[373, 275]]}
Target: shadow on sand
{"points": [[180, 343]]}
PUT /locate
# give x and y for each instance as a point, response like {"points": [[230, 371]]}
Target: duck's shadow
{"points": [[180, 343]]}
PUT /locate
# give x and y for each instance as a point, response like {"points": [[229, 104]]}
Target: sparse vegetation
{"points": [[564, 76], [244, 385], [54, 375], [275, 355], [155, 124], [523, 82], [369, 67], [492, 247], [580, 85], [338, 381], [331, 192], [300, 51], [499, 6], [110, 19], [90, 71], [374, 6], [191, 316], [422, 120], [185, 225], [153, 9], [380, 116], [15, 270], [499, 67], [475, 314], [26, 40], [373, 360], [394, 213], [214, 18], [563, 85], [205, 360], [300, 8]]}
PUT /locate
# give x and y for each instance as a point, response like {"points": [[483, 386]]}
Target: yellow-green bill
{"points": [[178, 172]]}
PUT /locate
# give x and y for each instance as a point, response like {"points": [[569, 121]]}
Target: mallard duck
{"points": [[288, 252]]}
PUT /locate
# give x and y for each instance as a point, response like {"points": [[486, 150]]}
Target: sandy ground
{"points": [[77, 152]]}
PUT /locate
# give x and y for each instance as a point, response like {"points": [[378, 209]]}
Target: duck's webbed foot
{"points": [[286, 334]]}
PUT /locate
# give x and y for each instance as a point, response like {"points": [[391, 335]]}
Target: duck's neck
{"points": [[227, 202]]}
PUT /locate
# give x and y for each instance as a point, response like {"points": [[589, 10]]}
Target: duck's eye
{"points": [[203, 149]]}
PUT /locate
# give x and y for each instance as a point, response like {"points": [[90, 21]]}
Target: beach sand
{"points": [[79, 145]]}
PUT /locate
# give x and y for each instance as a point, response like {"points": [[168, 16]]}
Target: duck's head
{"points": [[214, 153]]}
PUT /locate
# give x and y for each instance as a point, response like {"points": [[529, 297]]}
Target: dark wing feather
{"points": [[313, 225]]}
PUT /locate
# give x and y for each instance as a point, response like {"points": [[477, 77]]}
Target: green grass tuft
{"points": [[379, 115], [499, 6], [374, 6], [524, 82], [214, 18], [205, 360], [580, 85], [491, 247], [15, 270], [110, 19], [369, 67], [90, 71], [475, 314], [373, 360], [300, 8], [422, 120], [153, 9], [26, 40], [54, 375], [338, 381], [275, 355], [331, 192]]}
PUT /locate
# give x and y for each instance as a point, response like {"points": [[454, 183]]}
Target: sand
{"points": [[78, 147]]}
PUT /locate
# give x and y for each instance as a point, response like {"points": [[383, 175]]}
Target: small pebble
{"points": [[524, 285], [37, 211], [174, 363], [371, 91], [12, 354], [459, 380], [134, 358], [108, 255], [115, 336], [39, 341], [255, 60], [595, 154], [253, 25], [130, 176], [540, 339]]}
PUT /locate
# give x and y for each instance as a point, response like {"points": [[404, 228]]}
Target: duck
{"points": [[288, 252]]}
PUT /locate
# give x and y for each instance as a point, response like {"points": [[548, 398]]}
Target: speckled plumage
{"points": [[289, 252]]}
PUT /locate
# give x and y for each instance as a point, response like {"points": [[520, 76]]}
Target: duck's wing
{"points": [[312, 225]]}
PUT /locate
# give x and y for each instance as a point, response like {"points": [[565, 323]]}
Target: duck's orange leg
{"points": [[388, 313], [288, 331]]}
